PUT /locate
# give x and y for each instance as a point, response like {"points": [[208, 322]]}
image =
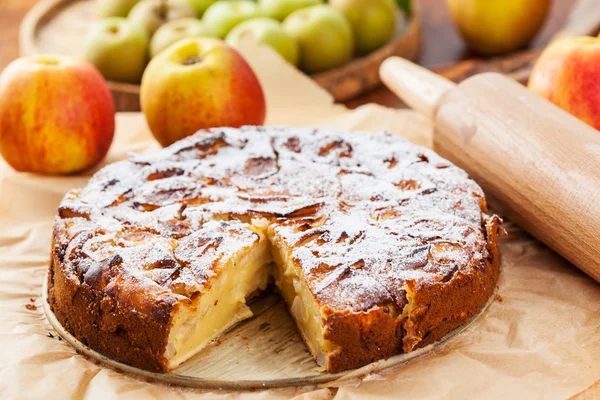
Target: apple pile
{"points": [[57, 115], [311, 34]]}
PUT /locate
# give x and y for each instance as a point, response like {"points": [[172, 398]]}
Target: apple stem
{"points": [[163, 9], [192, 60]]}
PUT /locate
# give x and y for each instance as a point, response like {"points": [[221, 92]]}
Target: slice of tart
{"points": [[351, 302], [199, 288]]}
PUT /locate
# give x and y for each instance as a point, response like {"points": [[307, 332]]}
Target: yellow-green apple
{"points": [[200, 5], [267, 31], [373, 21], [199, 83], [118, 48], [114, 8], [568, 74], [56, 115], [280, 9], [223, 16], [151, 14], [176, 30], [495, 27], [324, 37]]}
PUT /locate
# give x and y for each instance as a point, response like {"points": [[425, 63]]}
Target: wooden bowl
{"points": [[58, 26]]}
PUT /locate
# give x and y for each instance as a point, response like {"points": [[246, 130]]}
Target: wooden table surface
{"points": [[441, 45]]}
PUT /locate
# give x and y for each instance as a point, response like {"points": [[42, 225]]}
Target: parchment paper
{"points": [[539, 339]]}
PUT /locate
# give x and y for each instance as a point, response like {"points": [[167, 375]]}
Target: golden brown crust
{"points": [[92, 316], [438, 309], [362, 338], [442, 307]]}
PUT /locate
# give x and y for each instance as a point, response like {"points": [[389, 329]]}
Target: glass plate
{"points": [[264, 351]]}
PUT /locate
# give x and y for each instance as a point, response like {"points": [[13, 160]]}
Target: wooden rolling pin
{"points": [[542, 163]]}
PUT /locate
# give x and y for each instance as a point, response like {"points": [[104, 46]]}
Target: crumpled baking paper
{"points": [[540, 338]]}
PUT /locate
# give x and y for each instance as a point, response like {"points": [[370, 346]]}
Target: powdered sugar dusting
{"points": [[363, 213]]}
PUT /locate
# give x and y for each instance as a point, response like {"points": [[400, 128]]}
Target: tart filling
{"points": [[220, 306], [223, 304], [302, 303]]}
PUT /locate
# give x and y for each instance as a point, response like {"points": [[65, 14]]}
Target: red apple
{"points": [[568, 74], [56, 115], [199, 83]]}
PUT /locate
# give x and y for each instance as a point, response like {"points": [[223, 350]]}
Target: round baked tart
{"points": [[377, 245]]}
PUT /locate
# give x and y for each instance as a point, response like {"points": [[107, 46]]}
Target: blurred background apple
{"points": [[114, 8], [373, 21], [280, 9], [151, 14], [56, 115], [176, 30], [267, 31], [118, 48], [223, 16], [200, 6], [496, 27], [324, 37], [567, 74]]}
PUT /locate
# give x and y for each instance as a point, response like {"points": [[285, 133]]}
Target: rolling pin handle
{"points": [[418, 87]]}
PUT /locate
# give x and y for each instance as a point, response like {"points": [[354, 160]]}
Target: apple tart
{"points": [[377, 245]]}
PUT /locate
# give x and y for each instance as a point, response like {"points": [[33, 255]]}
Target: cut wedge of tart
{"points": [[378, 246]]}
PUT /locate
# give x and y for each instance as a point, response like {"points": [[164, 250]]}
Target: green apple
{"points": [[114, 8], [223, 16], [118, 48], [200, 5], [151, 14], [280, 9], [174, 31], [269, 32], [373, 21], [324, 37]]}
